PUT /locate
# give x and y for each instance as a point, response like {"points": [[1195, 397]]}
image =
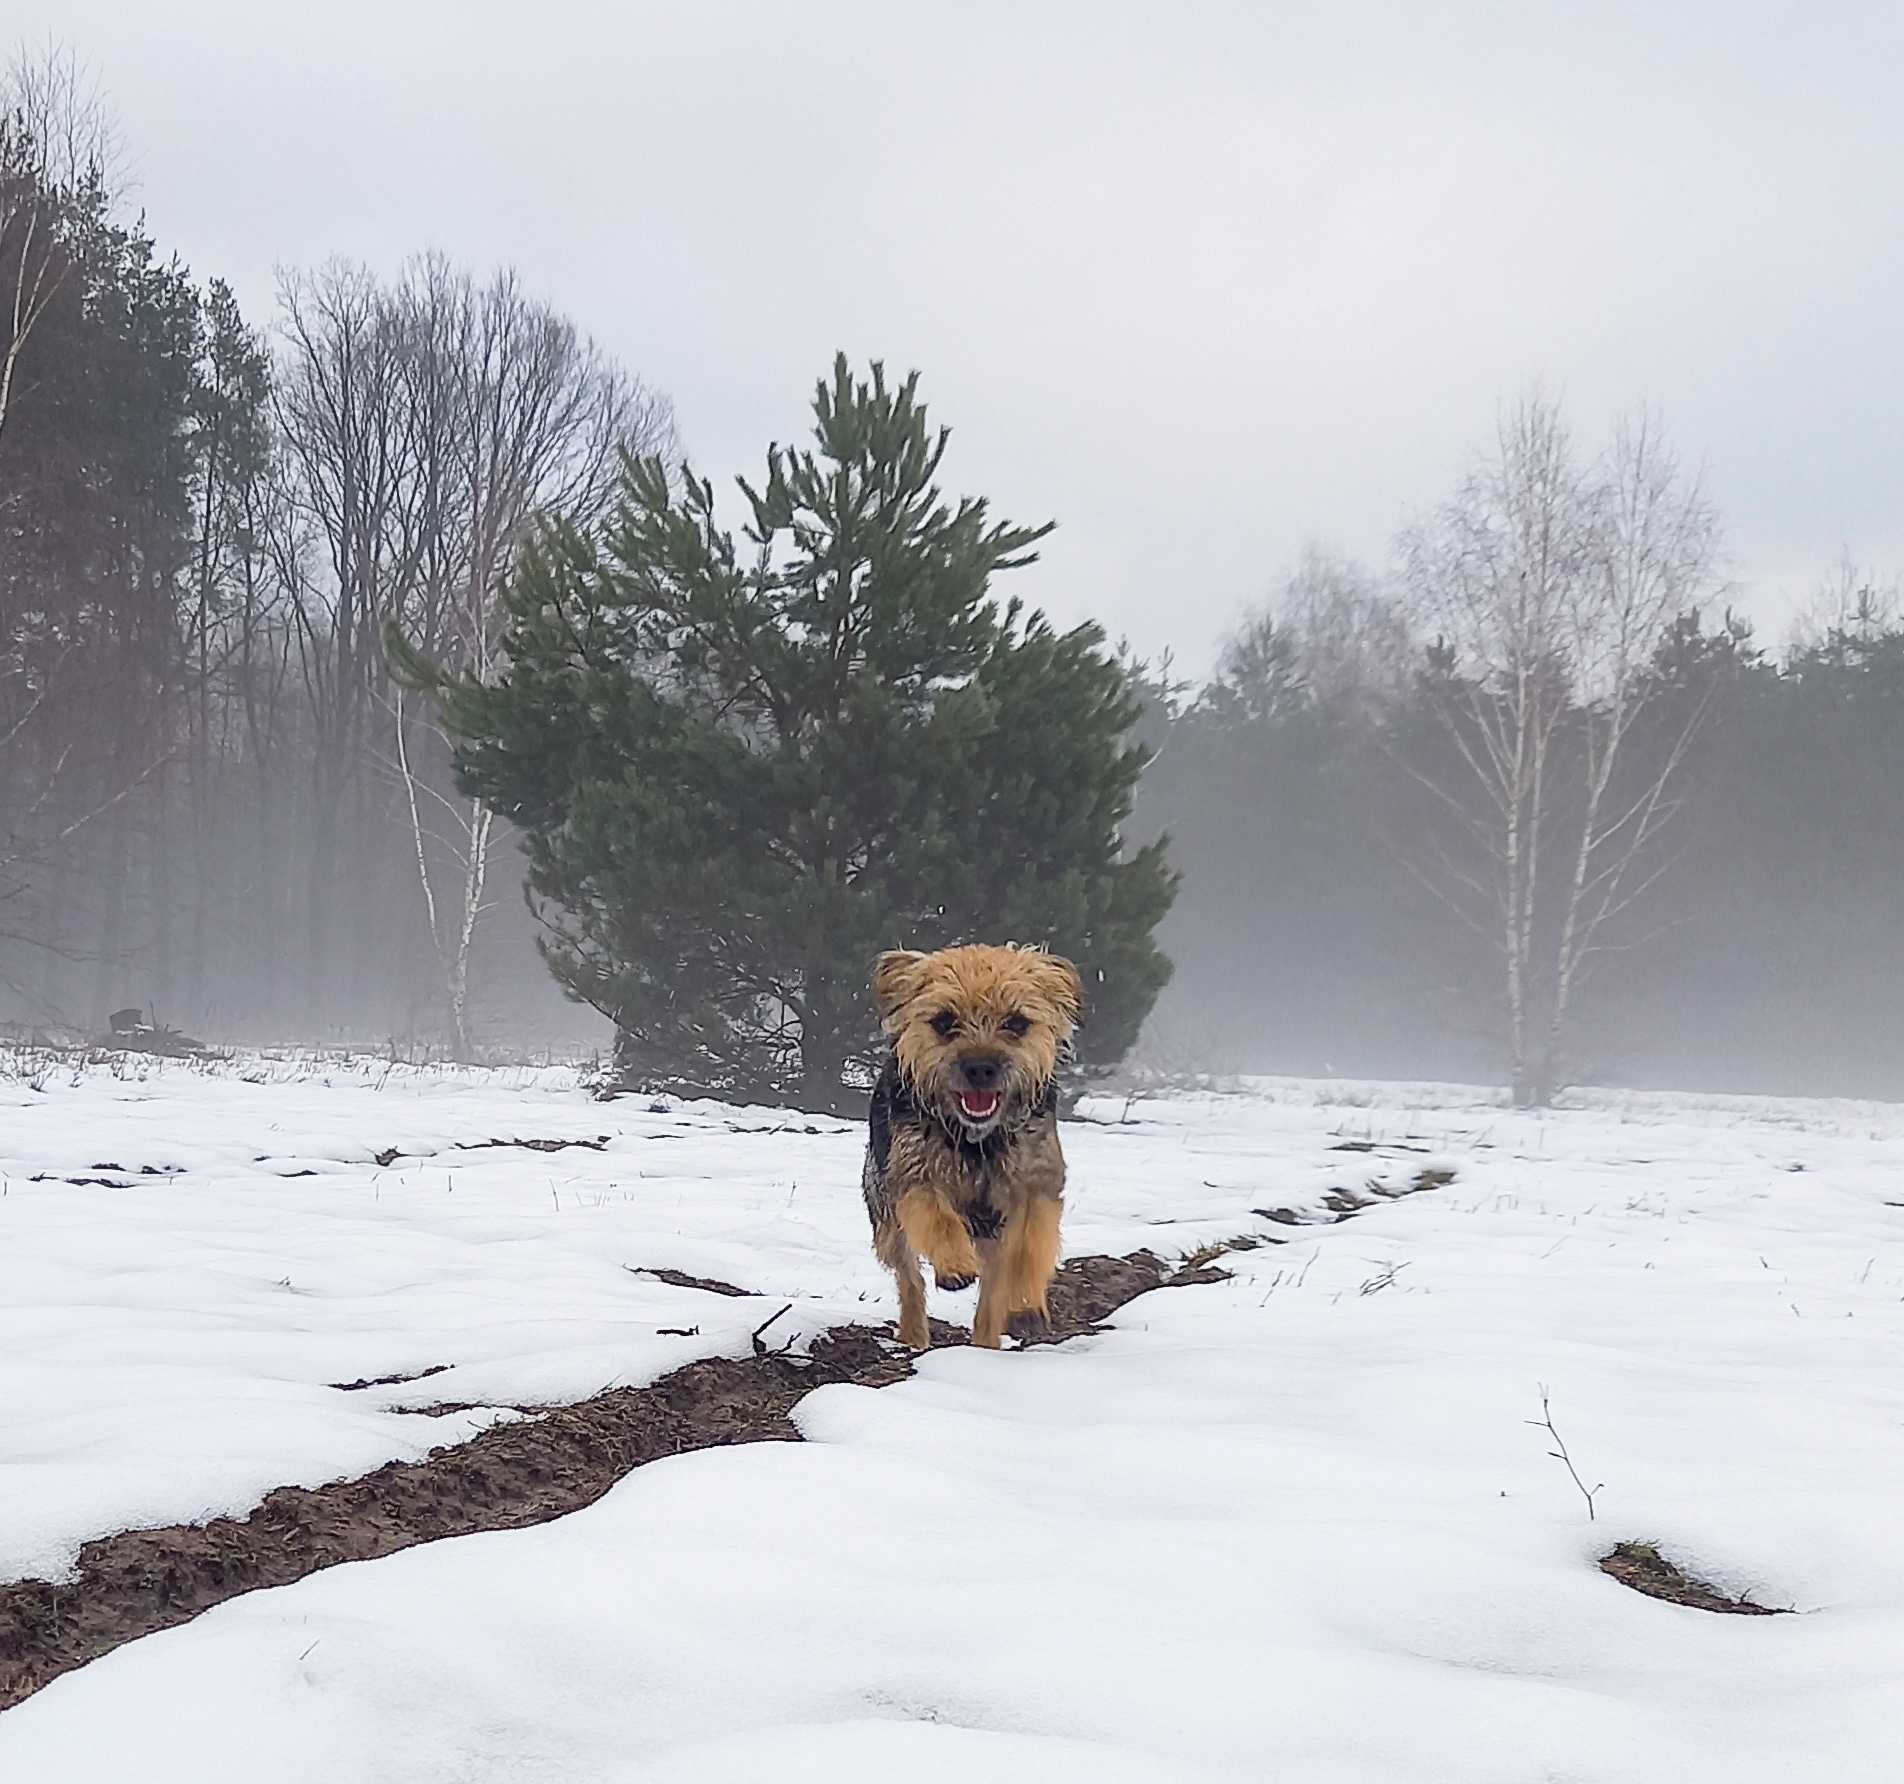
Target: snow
{"points": [[1292, 1524]]}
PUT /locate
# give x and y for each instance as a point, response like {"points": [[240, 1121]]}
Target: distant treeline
{"points": [[1312, 934]]}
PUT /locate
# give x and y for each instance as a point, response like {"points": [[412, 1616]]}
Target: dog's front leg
{"points": [[994, 1295], [1015, 1269], [1030, 1245]]}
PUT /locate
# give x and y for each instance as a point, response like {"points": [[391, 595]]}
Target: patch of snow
{"points": [[1292, 1524]]}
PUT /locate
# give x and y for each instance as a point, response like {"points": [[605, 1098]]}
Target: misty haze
{"points": [[557, 570]]}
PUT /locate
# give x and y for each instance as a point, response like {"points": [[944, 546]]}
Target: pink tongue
{"points": [[978, 1103]]}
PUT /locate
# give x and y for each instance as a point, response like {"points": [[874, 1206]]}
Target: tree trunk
{"points": [[109, 966], [475, 874], [318, 883], [56, 978], [274, 897], [822, 1066], [164, 990]]}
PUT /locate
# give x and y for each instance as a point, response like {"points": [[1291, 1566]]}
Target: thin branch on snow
{"points": [[1559, 1452]]}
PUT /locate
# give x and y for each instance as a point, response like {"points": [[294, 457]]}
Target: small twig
{"points": [[1559, 1452], [760, 1349], [1386, 1279]]}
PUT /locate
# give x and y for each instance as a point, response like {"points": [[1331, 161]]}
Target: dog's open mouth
{"points": [[978, 1106]]}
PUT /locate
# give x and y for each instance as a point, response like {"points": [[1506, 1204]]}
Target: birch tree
{"points": [[1550, 584]]}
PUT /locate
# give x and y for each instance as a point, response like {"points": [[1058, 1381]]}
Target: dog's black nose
{"points": [[979, 1072]]}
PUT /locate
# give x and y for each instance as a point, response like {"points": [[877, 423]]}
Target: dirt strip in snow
{"points": [[516, 1473]]}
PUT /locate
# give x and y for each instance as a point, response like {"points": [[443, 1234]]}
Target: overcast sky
{"points": [[1202, 282]]}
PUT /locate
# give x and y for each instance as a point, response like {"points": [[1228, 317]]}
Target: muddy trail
{"points": [[543, 1466], [515, 1474]]}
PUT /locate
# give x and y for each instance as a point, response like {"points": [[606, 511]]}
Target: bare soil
{"points": [[513, 1475], [1641, 1566], [527, 1472]]}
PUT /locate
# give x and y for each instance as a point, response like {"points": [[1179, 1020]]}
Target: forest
{"points": [[1525, 802]]}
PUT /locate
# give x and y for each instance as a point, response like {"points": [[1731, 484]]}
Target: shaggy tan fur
{"points": [[971, 1029]]}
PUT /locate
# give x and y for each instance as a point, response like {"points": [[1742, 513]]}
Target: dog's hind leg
{"points": [[894, 1249]]}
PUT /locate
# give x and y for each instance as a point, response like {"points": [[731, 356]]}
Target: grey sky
{"points": [[1201, 282]]}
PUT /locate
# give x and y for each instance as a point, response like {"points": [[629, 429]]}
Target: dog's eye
{"points": [[1016, 1025], [944, 1023]]}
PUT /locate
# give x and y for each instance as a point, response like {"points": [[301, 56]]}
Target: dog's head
{"points": [[978, 1031]]}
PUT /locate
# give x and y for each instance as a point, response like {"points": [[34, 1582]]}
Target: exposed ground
{"points": [[515, 1474], [1641, 1566]]}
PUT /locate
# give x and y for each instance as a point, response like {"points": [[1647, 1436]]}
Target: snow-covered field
{"points": [[1290, 1525]]}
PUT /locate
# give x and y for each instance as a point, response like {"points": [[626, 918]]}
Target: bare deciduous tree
{"points": [[356, 452], [427, 424], [1550, 585], [521, 416], [1851, 599], [1351, 635]]}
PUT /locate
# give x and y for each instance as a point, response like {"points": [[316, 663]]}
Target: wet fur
{"points": [[984, 1200]]}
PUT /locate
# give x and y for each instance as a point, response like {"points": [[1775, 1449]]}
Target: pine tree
{"points": [[742, 769]]}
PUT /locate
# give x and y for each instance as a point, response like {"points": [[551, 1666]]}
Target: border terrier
{"points": [[963, 1165]]}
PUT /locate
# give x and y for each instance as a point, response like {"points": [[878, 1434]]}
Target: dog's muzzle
{"points": [[980, 1076]]}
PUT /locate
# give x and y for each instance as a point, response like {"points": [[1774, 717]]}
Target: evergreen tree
{"points": [[742, 769], [95, 470]]}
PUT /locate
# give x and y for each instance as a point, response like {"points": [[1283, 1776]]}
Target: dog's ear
{"points": [[1063, 985], [895, 979]]}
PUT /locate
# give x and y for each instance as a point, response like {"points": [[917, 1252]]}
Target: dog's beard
{"points": [[974, 1116]]}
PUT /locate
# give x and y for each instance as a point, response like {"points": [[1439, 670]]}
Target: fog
{"points": [[1202, 286], [1238, 296]]}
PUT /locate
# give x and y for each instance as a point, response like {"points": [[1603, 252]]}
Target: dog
{"points": [[963, 1164]]}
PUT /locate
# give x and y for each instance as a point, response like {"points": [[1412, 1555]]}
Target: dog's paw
{"points": [[951, 1283]]}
